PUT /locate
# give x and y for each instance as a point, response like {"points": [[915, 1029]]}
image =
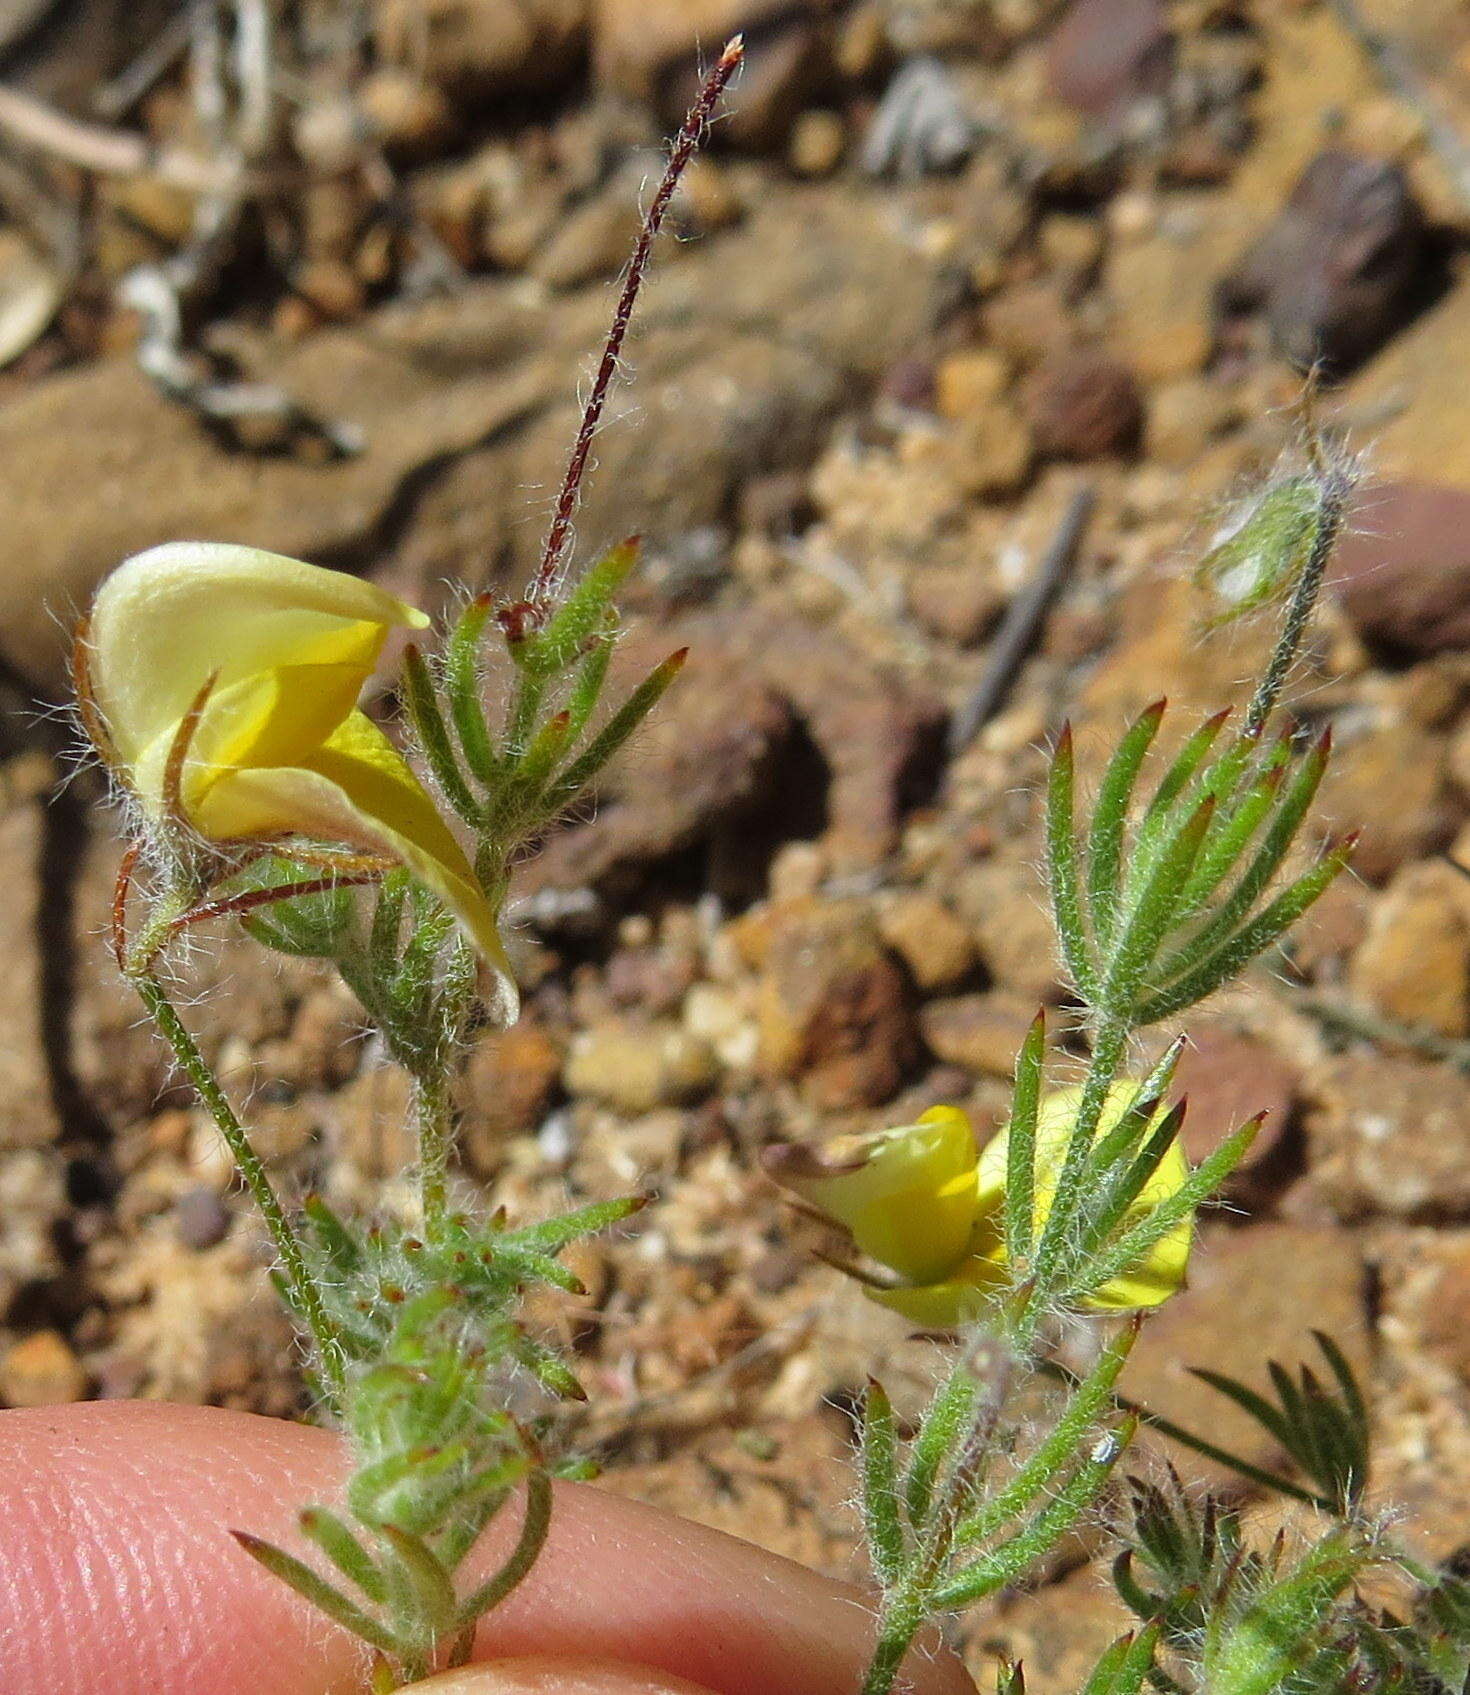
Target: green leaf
{"points": [[1255, 937], [1061, 865], [535, 1522], [1252, 884], [1133, 1245], [433, 734], [1125, 1666], [591, 676], [1175, 781], [1152, 910], [881, 1520], [463, 690], [1109, 818], [1020, 1553], [1235, 825], [582, 615], [431, 1586], [940, 1434], [1020, 1190], [317, 1590], [1128, 1182], [342, 1548], [387, 922], [1057, 1450], [615, 732], [554, 1234]]}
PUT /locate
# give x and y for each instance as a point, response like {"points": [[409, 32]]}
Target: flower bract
{"points": [[226, 680]]}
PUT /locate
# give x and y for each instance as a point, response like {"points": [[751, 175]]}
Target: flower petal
{"points": [[357, 788], [167, 620], [954, 1301], [907, 1196]]}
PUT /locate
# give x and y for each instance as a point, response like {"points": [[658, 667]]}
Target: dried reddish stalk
{"points": [[538, 597]]}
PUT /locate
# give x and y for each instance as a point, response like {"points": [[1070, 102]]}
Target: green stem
{"points": [[1110, 1045], [434, 1116], [898, 1626], [305, 1296], [1335, 491]]}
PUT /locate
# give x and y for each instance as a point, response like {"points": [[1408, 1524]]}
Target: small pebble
{"points": [[201, 1218], [42, 1371]]}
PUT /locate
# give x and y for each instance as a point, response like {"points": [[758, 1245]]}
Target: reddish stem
{"points": [[685, 144], [120, 891]]}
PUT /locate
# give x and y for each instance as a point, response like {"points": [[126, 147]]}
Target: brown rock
{"points": [[593, 241], [635, 1068], [28, 1114], [1105, 54], [833, 1007], [1162, 290], [1184, 418], [1414, 963], [721, 761], [511, 1080], [1004, 898], [959, 603], [745, 353], [1389, 1135], [1254, 1295], [1341, 268], [1425, 1283], [967, 381], [707, 760], [937, 949], [42, 1371], [657, 51], [817, 143], [371, 1121], [1320, 945], [33, 1206], [990, 453], [408, 115], [981, 1033], [1229, 1077], [1402, 571], [1083, 406], [1389, 785], [480, 48]]}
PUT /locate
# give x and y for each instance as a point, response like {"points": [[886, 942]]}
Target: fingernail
{"points": [[551, 1675]]}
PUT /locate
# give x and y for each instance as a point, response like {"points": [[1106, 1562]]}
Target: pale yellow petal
{"points": [[907, 1196], [168, 619], [356, 788], [956, 1300], [272, 718]]}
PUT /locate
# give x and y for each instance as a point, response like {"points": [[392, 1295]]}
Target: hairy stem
{"points": [[305, 1297], [434, 1118], [1335, 490], [897, 1628]]}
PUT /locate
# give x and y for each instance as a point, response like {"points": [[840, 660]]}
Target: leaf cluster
{"points": [[429, 1334], [952, 1515], [508, 781], [1237, 1620], [1156, 906]]}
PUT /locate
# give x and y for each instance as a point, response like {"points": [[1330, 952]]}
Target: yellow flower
{"points": [[268, 656], [921, 1201]]}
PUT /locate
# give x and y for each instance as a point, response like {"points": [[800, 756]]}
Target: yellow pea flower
{"points": [[921, 1201], [267, 656]]}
